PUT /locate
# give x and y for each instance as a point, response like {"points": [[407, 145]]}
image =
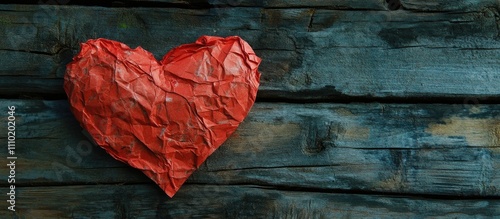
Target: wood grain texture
{"points": [[308, 53], [205, 201], [451, 150], [315, 160], [333, 4], [414, 5], [443, 5]]}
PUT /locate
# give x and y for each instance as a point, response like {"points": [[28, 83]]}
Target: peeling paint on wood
{"points": [[409, 149], [474, 131]]}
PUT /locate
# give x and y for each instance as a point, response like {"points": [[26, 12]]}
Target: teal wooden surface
{"points": [[364, 110]]}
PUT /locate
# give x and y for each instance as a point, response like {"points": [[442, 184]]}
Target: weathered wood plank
{"points": [[444, 5], [198, 201], [333, 4], [412, 149], [307, 53], [417, 5]]}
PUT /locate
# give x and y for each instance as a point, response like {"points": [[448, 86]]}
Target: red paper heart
{"points": [[164, 118]]}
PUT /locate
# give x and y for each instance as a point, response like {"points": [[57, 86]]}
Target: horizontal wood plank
{"points": [[333, 4], [412, 149], [307, 53], [202, 201], [415, 5], [444, 5]]}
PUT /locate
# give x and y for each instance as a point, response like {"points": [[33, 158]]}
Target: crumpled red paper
{"points": [[163, 117]]}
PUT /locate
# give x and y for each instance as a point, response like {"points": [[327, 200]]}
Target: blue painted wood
{"points": [[399, 160], [392, 148], [308, 53], [242, 201]]}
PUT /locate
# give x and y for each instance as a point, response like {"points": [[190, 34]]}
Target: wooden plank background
{"points": [[308, 53], [365, 110]]}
